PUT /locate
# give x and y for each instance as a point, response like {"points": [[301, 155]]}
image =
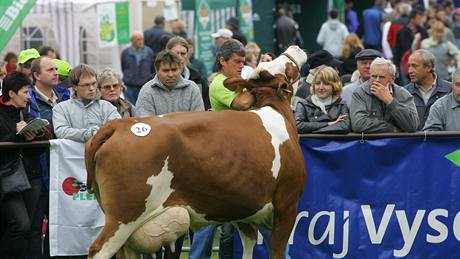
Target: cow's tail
{"points": [[91, 147]]}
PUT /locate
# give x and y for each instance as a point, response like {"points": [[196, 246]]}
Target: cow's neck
{"points": [[281, 105]]}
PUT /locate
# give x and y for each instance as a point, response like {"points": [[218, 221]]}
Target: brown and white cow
{"points": [[155, 177]]}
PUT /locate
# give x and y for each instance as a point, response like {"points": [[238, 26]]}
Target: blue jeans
{"points": [[131, 94], [201, 247], [202, 242], [203, 238]]}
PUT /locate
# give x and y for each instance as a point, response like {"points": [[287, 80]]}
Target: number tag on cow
{"points": [[141, 129]]}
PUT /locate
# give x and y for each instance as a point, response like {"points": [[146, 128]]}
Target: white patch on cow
{"points": [[161, 189], [141, 129], [275, 125], [161, 115]]}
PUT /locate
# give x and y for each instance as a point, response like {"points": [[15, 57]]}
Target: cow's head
{"points": [[287, 64], [275, 79]]}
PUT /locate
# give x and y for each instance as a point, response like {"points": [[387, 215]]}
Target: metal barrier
{"points": [[350, 136]]}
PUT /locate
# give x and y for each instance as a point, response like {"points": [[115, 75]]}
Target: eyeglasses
{"points": [[88, 85], [110, 87]]}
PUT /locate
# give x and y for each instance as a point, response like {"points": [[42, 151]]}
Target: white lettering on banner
{"points": [[377, 236], [438, 226], [14, 9], [346, 230], [330, 229], [457, 226], [5, 23], [408, 233]]}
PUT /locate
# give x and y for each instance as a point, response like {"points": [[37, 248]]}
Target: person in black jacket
{"points": [[18, 206], [323, 111], [233, 24]]}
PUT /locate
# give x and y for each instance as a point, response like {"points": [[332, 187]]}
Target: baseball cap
{"points": [[224, 33], [27, 54], [63, 67]]}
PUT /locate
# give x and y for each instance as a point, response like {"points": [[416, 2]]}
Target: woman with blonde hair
{"points": [[350, 48], [323, 111]]}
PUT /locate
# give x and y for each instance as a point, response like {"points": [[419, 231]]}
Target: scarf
{"points": [[322, 103]]}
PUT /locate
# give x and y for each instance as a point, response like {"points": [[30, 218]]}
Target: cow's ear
{"points": [[291, 71], [234, 83], [265, 75]]}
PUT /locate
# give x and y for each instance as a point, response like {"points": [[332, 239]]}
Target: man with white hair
{"points": [[445, 112], [379, 105]]}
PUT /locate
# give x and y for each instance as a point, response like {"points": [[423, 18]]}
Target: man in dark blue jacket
{"points": [[137, 66], [425, 85], [153, 35]]}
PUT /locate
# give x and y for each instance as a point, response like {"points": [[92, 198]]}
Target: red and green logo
{"points": [[73, 187]]}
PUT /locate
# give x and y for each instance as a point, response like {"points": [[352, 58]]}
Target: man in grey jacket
{"points": [[379, 105], [80, 117], [168, 91]]}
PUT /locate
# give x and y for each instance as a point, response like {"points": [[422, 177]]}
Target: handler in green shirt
{"points": [[230, 56]]}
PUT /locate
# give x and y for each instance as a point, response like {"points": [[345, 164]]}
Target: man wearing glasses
{"points": [[82, 115], [379, 105]]}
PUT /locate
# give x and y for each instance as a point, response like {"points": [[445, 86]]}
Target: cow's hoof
{"points": [[162, 230]]}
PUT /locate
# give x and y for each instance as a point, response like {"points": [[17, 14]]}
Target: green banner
{"points": [[122, 16], [12, 13], [203, 34], [246, 24]]}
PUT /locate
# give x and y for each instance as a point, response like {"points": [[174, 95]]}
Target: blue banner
{"points": [[389, 198]]}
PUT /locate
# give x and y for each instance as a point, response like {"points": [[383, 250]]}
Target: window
{"points": [[32, 37]]}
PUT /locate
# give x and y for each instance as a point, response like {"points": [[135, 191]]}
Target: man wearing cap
{"points": [[364, 59], [233, 24], [425, 85], [379, 105], [221, 36], [153, 35], [63, 71], [25, 60], [318, 58]]}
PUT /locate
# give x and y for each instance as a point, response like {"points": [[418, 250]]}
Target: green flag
{"points": [[12, 13], [122, 16], [203, 30]]}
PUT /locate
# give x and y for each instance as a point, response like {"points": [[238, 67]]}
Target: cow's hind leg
{"points": [[248, 236], [283, 221]]}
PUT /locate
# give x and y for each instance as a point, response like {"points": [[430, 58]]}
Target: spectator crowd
{"points": [[396, 70]]}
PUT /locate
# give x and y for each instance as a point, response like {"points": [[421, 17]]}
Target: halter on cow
{"points": [[191, 169]]}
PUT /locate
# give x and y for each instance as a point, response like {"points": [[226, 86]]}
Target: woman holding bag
{"points": [[20, 182]]}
